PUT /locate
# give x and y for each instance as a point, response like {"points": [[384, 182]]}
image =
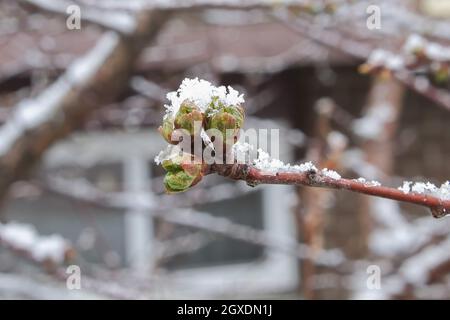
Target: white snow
{"points": [[437, 52], [395, 62], [416, 269], [242, 152], [201, 92], [378, 57], [206, 139], [111, 19], [170, 152], [413, 43], [427, 188], [405, 187], [88, 65], [421, 187], [384, 58], [337, 140], [32, 112], [269, 165], [51, 248], [434, 51], [373, 123], [41, 248], [331, 174], [20, 236], [354, 160], [371, 183], [396, 234]]}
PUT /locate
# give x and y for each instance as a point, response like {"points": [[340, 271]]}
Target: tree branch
{"points": [[92, 81], [354, 48], [253, 176], [121, 22], [23, 240]]}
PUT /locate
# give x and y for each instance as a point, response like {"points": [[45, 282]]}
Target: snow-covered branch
{"points": [[238, 4], [351, 46], [216, 114], [118, 21], [425, 194], [24, 240], [422, 66]]}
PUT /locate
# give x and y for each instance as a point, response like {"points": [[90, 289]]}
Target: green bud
{"points": [[228, 120], [187, 116], [166, 129], [183, 172], [178, 181], [172, 165]]}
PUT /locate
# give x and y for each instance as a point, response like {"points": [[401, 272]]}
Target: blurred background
{"points": [[360, 87]]}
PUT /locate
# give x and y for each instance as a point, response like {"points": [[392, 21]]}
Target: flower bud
{"points": [[189, 117], [183, 172], [228, 120], [166, 129]]}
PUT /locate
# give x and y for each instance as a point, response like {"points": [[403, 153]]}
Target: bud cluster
{"points": [[198, 112], [183, 172]]}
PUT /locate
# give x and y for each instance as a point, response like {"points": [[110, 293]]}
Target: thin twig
{"points": [[253, 176]]}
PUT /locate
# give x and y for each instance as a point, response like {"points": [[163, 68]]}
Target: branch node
{"points": [[439, 212]]}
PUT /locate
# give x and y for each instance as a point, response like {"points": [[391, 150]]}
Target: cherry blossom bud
{"points": [[166, 129], [183, 172], [228, 120], [189, 117]]}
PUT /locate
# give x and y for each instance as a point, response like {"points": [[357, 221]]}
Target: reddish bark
{"points": [[439, 207]]}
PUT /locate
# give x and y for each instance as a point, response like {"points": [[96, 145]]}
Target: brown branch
{"points": [[253, 176]]}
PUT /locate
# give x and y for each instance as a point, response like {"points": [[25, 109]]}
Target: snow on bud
{"points": [[183, 172], [187, 116], [200, 120], [228, 120]]}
